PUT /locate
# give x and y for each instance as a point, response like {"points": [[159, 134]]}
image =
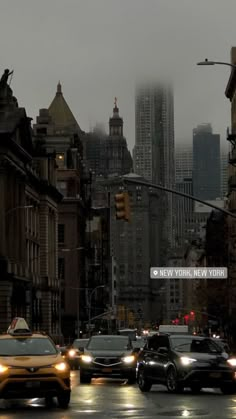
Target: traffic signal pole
{"points": [[173, 191]]}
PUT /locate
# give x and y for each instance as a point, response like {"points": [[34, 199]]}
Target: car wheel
{"points": [[63, 400], [196, 388], [143, 383], [228, 389], [171, 381], [132, 378], [85, 379], [49, 401]]}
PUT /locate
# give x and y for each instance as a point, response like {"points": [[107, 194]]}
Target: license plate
{"points": [[215, 375], [107, 370], [32, 384]]}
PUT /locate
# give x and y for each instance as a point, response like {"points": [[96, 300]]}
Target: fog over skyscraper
{"points": [[154, 145]]}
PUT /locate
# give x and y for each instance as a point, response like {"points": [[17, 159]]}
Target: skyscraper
{"points": [[183, 162], [206, 163], [154, 146]]}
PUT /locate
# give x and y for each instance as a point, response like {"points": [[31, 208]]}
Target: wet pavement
{"points": [[114, 399]]}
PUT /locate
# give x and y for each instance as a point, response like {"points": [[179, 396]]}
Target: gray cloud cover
{"points": [[99, 49]]}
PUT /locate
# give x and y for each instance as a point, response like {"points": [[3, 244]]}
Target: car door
{"points": [[159, 357]]}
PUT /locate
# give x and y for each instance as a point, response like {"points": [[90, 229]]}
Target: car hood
{"points": [[106, 353], [31, 361], [205, 356]]}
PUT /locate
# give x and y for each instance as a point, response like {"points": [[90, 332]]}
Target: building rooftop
{"points": [[61, 114]]}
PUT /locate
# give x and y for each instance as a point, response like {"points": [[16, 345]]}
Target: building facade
{"points": [[57, 131], [108, 155], [153, 153], [29, 213], [206, 163]]}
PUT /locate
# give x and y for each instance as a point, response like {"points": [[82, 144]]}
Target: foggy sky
{"points": [[100, 49]]}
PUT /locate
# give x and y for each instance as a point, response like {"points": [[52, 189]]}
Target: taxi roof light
{"points": [[19, 326]]}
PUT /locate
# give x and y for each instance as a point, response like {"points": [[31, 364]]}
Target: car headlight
{"points": [[128, 359], [185, 360], [3, 368], [232, 362], [72, 353], [86, 358], [61, 367]]}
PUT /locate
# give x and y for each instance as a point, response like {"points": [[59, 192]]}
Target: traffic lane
{"points": [[116, 399], [129, 402]]}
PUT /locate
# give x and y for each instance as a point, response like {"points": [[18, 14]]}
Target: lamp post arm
{"points": [[208, 62]]}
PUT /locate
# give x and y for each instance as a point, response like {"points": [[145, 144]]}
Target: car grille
{"points": [[107, 361], [33, 376]]}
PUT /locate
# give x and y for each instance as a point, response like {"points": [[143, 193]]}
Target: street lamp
{"points": [[207, 62], [90, 299], [19, 207]]}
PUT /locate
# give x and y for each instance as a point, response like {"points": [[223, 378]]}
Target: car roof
{"points": [[19, 336], [81, 340], [109, 337], [180, 335]]}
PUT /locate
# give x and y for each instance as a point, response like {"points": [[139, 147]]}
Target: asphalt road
{"points": [[114, 399]]}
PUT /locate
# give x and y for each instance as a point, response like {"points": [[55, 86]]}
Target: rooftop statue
{"points": [[4, 79]]}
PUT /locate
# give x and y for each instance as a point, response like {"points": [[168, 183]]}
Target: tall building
{"points": [[57, 132], [29, 201], [108, 155], [184, 184], [154, 147], [206, 163], [133, 249], [183, 162], [231, 95]]}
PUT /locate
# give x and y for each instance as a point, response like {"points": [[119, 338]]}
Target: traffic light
{"points": [[192, 315], [122, 206]]}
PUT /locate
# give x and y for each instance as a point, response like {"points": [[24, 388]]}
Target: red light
{"points": [[192, 313]]}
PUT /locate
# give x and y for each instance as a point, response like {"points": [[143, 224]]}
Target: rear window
{"points": [[188, 344]]}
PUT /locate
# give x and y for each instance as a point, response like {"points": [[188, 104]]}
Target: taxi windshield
{"points": [[26, 346]]}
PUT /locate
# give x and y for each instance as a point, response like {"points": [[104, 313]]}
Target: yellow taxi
{"points": [[31, 366]]}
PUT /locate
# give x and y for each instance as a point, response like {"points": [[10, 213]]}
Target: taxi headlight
{"points": [[86, 358], [128, 359], [185, 360], [232, 362], [3, 368], [62, 366], [72, 353]]}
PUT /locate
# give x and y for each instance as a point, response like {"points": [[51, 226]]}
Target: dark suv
{"points": [[179, 361], [108, 356]]}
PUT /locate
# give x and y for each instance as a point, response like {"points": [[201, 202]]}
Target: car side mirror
{"points": [[81, 349], [163, 350]]}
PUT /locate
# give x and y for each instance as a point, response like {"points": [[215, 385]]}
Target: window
{"points": [[61, 268], [42, 131], [158, 341], [60, 158], [62, 187], [61, 233]]}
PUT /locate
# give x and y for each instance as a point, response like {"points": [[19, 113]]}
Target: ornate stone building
{"points": [[108, 155], [231, 95], [57, 131], [28, 222]]}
